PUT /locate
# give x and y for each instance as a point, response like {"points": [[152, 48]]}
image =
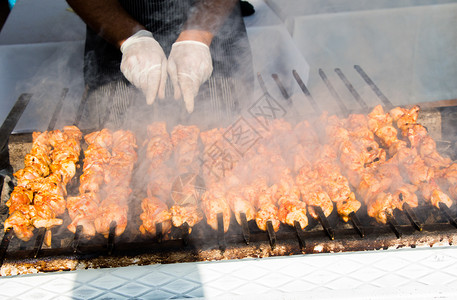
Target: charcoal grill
{"points": [[423, 226]]}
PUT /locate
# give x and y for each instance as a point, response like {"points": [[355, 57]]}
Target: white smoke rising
{"points": [[43, 70]]}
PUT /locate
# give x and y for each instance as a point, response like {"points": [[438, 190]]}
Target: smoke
{"points": [[44, 70]]}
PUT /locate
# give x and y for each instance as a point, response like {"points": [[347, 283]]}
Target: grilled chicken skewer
{"points": [[39, 197], [116, 192], [154, 206], [65, 154], [279, 200], [324, 161], [159, 145], [402, 195], [421, 160], [83, 209], [312, 192], [291, 208], [37, 162], [185, 143], [185, 209], [214, 200], [380, 124], [351, 145], [155, 212], [96, 157], [359, 156], [49, 201], [335, 184]]}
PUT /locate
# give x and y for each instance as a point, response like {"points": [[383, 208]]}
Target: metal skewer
{"points": [[281, 88], [262, 84], [305, 91], [351, 88], [159, 233], [185, 233], [39, 241], [324, 222], [374, 87], [447, 212], [356, 223], [57, 110], [300, 234], [393, 224], [12, 118], [81, 106], [271, 234], [75, 243], [4, 245], [220, 232], [332, 90], [111, 236], [412, 216], [245, 228]]}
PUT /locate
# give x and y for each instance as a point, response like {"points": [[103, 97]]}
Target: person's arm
{"points": [[190, 63], [108, 18], [205, 20], [143, 63]]}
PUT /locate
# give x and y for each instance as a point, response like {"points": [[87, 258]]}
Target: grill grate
{"points": [[422, 226]]}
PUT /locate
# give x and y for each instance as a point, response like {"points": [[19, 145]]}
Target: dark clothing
{"points": [[231, 79]]}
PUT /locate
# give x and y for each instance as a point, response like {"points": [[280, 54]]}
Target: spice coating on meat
{"points": [[39, 197], [154, 212], [116, 191], [159, 147]]}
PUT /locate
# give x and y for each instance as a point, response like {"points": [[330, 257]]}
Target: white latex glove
{"points": [[189, 65], [144, 64]]}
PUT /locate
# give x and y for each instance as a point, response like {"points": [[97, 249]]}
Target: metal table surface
{"points": [[422, 273]]}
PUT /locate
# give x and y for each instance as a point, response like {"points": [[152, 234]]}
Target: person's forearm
{"points": [[206, 19], [108, 18]]}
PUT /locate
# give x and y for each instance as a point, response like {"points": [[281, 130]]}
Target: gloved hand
{"points": [[144, 64], [189, 65]]}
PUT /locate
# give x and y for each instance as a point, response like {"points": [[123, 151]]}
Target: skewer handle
{"points": [[324, 222], [333, 92], [300, 234], [412, 216], [4, 245], [305, 91], [12, 118], [271, 234], [245, 228], [75, 243], [374, 87], [159, 233], [39, 241], [262, 84], [357, 225], [220, 232], [185, 233], [57, 110], [281, 88], [351, 88], [447, 212], [111, 236], [393, 224]]}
